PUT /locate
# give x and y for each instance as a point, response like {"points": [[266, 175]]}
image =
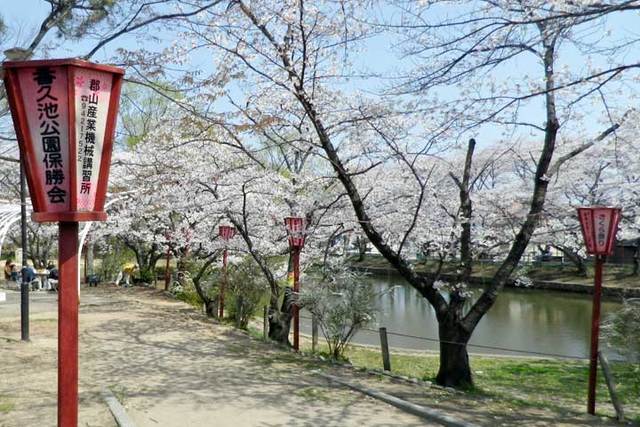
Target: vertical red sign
{"points": [[602, 222], [44, 92], [92, 96]]}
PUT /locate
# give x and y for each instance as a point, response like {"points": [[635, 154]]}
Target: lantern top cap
{"points": [[295, 220], [599, 207], [60, 62]]}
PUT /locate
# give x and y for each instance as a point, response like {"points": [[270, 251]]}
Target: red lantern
{"points": [[599, 226], [64, 113], [296, 230], [226, 232]]}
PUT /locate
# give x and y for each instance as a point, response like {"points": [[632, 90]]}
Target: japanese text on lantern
{"points": [[86, 149], [49, 124], [92, 102]]}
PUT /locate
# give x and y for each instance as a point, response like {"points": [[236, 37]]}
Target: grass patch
{"points": [[555, 384], [118, 392], [314, 394], [190, 297], [6, 407]]}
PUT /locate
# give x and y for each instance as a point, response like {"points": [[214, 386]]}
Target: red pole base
{"points": [[68, 325], [595, 334], [296, 290], [224, 284]]}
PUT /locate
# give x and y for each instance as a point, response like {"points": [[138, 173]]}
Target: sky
{"points": [[378, 55]]}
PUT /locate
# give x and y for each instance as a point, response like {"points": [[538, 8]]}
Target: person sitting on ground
{"points": [[93, 280], [43, 275], [53, 277], [7, 269], [30, 277], [125, 274], [14, 271]]}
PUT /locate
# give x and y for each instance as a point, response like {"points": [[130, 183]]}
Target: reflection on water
{"points": [[540, 321]]}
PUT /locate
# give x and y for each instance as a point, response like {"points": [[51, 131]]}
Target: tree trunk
{"points": [[636, 261], [280, 320], [90, 256], [362, 248], [454, 360], [575, 259], [211, 307]]}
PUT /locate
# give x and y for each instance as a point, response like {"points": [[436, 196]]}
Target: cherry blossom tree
{"points": [[301, 51]]}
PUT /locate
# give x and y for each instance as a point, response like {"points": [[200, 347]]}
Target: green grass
{"points": [[313, 394], [556, 384], [119, 392], [5, 406]]}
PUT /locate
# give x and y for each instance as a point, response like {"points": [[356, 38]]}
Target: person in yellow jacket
{"points": [[126, 273]]}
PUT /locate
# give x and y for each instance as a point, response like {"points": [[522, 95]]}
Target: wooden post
{"points": [[265, 324], [167, 274], [223, 285], [314, 334], [384, 345], [238, 310], [296, 292], [611, 385], [68, 325], [595, 334]]}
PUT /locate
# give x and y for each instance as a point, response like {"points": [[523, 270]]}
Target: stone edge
{"points": [[421, 411], [117, 410]]}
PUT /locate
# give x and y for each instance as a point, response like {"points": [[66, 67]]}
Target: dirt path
{"points": [[170, 366]]}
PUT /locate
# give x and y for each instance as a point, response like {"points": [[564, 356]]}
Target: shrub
{"points": [[342, 302], [113, 256], [246, 288], [146, 276], [622, 329], [183, 289]]}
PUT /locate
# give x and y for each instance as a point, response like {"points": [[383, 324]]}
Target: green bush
{"points": [[246, 288], [146, 276], [183, 289], [114, 254], [342, 302]]}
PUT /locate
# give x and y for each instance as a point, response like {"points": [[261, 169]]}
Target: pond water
{"points": [[521, 322]]}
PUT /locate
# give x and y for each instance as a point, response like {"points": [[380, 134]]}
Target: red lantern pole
{"points": [[599, 225], [296, 230], [167, 276], [66, 162], [68, 325], [595, 335], [224, 282], [226, 232], [296, 291]]}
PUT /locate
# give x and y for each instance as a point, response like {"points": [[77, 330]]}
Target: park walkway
{"points": [[170, 366]]}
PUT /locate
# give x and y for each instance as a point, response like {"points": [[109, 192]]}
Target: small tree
{"points": [[342, 302], [247, 287], [113, 254], [622, 329]]}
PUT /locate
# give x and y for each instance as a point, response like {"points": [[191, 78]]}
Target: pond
{"points": [[521, 322]]}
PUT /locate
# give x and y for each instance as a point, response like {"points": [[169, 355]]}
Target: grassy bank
{"points": [[516, 382]]}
